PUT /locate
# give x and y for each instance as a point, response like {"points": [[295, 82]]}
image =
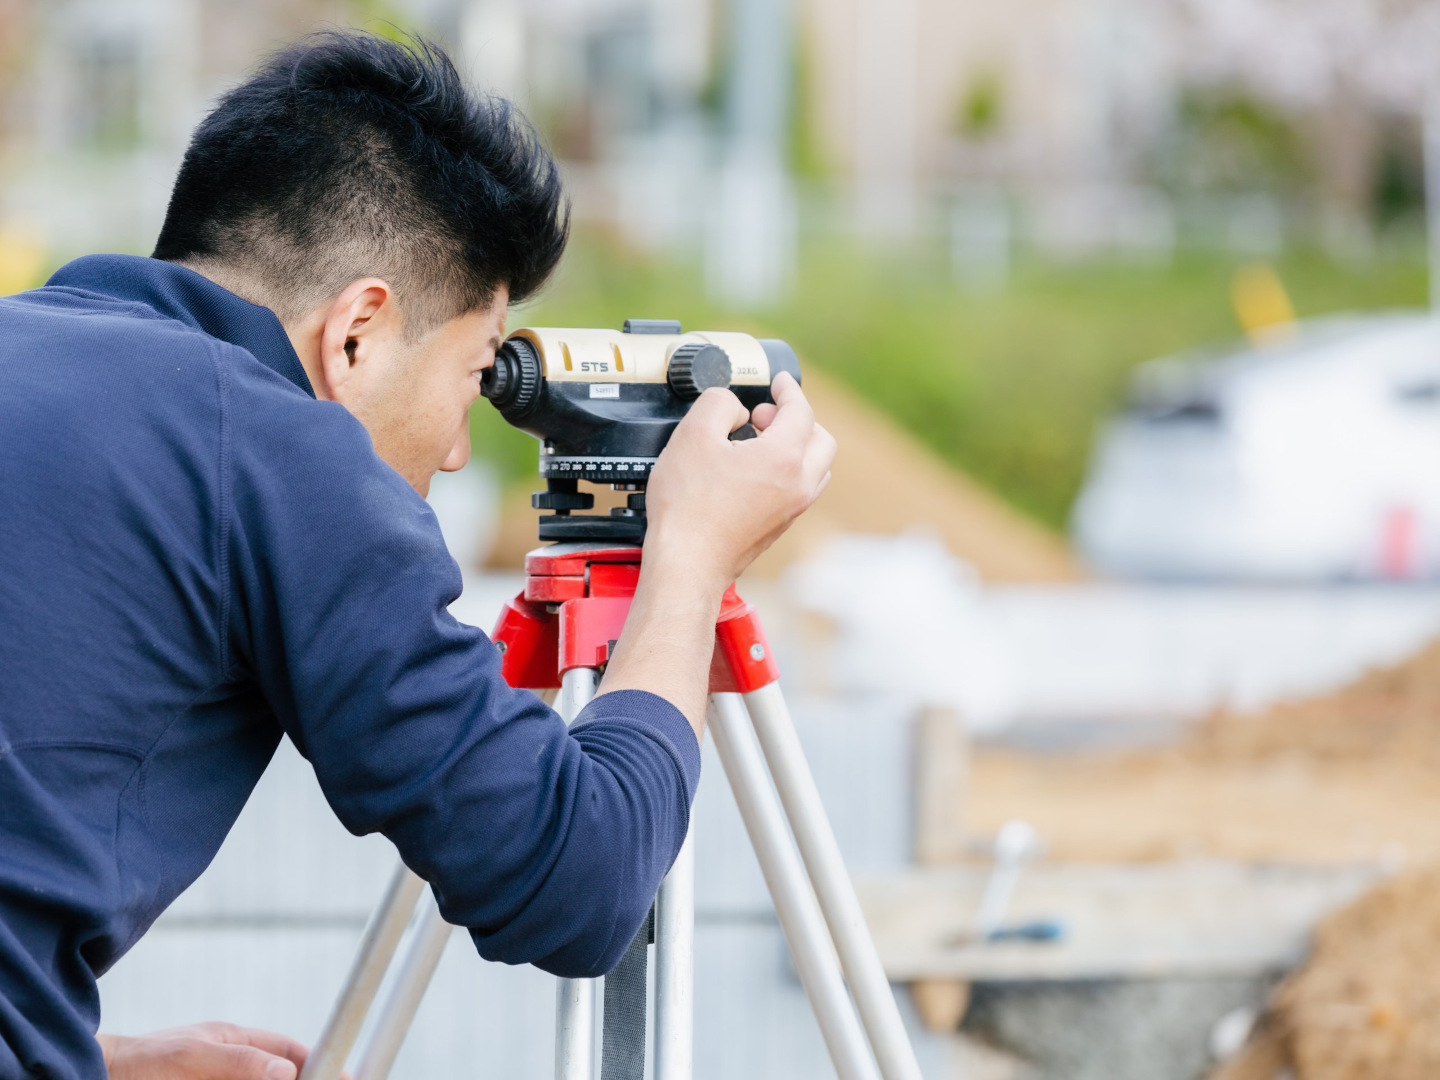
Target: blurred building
{"points": [[98, 100], [733, 126], [1118, 123]]}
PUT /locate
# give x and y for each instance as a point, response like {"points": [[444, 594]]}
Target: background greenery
{"points": [[1008, 385]]}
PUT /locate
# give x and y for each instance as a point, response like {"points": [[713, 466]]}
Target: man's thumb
{"points": [[719, 411]]}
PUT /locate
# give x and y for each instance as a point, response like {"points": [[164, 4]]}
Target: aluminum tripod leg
{"points": [[396, 1015], [575, 1029], [833, 888], [377, 949], [795, 904], [675, 968]]}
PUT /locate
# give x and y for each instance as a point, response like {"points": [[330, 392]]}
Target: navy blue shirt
{"points": [[198, 557]]}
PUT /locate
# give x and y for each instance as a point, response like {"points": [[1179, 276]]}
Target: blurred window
{"points": [[1176, 391], [1423, 394], [1199, 412]]}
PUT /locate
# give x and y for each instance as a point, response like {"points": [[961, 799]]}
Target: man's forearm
{"points": [[669, 637]]}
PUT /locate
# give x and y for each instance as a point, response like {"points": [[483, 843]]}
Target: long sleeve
{"points": [[547, 843]]}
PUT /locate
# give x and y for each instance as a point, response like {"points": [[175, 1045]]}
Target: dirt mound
{"points": [[1393, 712], [1366, 1006], [884, 481], [1352, 775], [1348, 776]]}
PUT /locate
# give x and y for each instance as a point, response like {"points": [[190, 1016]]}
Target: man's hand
{"points": [[713, 505], [203, 1052]]}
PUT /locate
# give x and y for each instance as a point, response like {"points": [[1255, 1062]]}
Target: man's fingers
{"points": [[824, 483], [205, 1060], [793, 419], [819, 456], [783, 385], [763, 414], [271, 1042], [717, 411]]}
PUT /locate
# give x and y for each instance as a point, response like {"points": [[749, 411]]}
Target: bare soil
{"points": [[1367, 1004], [1351, 776]]}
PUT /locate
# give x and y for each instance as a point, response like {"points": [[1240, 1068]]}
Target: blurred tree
{"points": [[980, 111], [1398, 194], [806, 156], [1225, 139]]}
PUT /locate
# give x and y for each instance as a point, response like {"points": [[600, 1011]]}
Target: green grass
{"points": [[1009, 386]]}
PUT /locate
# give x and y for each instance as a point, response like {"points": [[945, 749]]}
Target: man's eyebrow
{"points": [[495, 343]]}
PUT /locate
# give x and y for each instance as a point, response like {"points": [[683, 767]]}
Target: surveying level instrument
{"points": [[603, 405]]}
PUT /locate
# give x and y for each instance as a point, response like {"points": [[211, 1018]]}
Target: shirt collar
{"points": [[191, 298]]}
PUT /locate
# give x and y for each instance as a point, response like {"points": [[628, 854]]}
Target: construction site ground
{"points": [[1350, 777]]}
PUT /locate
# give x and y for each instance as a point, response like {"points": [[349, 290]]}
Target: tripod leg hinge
{"points": [[528, 638], [537, 643], [589, 627], [743, 660]]}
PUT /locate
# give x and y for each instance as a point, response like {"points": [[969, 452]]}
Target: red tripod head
{"points": [[573, 608]]}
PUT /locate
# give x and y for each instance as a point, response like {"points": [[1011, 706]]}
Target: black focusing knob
{"points": [[562, 500], [514, 381], [696, 368]]}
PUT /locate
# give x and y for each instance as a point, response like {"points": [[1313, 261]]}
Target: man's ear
{"points": [[357, 312]]}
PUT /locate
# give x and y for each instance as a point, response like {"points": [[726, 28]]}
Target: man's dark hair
{"points": [[348, 155]]}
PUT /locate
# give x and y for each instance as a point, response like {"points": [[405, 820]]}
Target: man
{"points": [[212, 470]]}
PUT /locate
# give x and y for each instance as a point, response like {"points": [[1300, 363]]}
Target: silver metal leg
{"points": [[577, 687], [403, 1000], [749, 734], [675, 968], [795, 904], [833, 887], [576, 1032], [377, 949]]}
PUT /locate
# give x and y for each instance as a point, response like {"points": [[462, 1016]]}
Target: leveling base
{"points": [[623, 527]]}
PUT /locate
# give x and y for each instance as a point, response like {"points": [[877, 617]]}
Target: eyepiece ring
{"points": [[514, 382]]}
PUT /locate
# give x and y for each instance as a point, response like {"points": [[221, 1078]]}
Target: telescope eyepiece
{"points": [[513, 383]]}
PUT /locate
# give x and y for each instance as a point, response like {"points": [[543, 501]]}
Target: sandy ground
{"points": [[884, 481], [1351, 776], [1154, 806], [1367, 1005]]}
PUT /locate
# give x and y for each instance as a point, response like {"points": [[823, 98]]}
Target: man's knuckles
{"points": [[220, 1031], [206, 1059]]}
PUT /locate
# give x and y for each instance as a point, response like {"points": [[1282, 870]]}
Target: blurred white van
{"points": [[1312, 456]]}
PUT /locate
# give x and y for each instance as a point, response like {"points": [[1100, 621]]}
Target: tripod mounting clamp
{"points": [[573, 608]]}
